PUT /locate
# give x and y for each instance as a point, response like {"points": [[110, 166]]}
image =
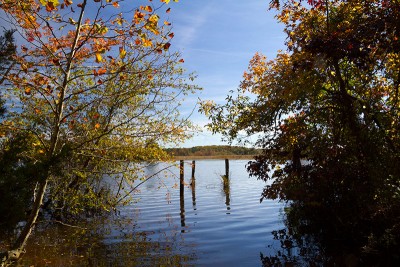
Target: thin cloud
{"points": [[188, 28]]}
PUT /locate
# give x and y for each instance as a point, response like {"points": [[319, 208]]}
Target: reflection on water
{"points": [[230, 228], [112, 243], [315, 236], [227, 191]]}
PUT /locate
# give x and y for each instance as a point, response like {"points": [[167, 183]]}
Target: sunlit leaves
{"points": [[146, 42], [50, 4], [98, 57], [122, 52]]}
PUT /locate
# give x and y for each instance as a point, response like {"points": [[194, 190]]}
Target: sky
{"points": [[217, 39]]}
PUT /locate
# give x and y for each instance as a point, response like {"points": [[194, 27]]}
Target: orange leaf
{"points": [[28, 91], [97, 126], [181, 60], [50, 6], [115, 4], [167, 23], [138, 42], [148, 9], [102, 71], [95, 72], [168, 10], [171, 35]]}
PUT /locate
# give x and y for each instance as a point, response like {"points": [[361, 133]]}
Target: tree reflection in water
{"points": [[316, 236], [110, 243]]}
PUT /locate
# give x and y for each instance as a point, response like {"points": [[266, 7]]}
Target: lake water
{"points": [[217, 224]]}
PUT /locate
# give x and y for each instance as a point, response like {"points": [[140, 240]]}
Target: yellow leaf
{"points": [[146, 43], [122, 52], [98, 57], [165, 1], [119, 20], [50, 3], [72, 21], [153, 18]]}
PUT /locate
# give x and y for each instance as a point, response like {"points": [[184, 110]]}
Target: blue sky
{"points": [[217, 39]]}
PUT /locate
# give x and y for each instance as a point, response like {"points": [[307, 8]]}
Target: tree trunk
{"points": [[18, 247]]}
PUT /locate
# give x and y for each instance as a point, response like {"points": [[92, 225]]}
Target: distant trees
{"points": [[92, 89], [329, 111], [212, 151]]}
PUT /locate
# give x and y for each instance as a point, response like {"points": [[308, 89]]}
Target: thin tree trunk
{"points": [[18, 247]]}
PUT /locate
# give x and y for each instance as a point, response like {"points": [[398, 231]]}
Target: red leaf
{"points": [[166, 46], [56, 61]]}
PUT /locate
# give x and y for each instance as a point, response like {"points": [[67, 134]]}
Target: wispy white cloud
{"points": [[190, 23]]}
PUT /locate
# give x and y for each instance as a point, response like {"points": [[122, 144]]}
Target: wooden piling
{"points": [[227, 168], [181, 178], [181, 194], [193, 169]]}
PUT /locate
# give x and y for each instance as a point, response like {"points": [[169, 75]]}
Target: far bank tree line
{"points": [[213, 151]]}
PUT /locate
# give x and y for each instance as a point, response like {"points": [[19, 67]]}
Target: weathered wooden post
{"points": [[181, 194], [193, 184], [181, 177], [227, 168], [193, 169]]}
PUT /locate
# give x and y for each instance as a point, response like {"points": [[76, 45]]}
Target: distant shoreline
{"points": [[221, 157]]}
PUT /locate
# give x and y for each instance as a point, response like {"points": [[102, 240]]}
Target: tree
{"points": [[95, 88], [328, 110]]}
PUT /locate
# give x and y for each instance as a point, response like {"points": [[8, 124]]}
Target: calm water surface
{"points": [[216, 224]]}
